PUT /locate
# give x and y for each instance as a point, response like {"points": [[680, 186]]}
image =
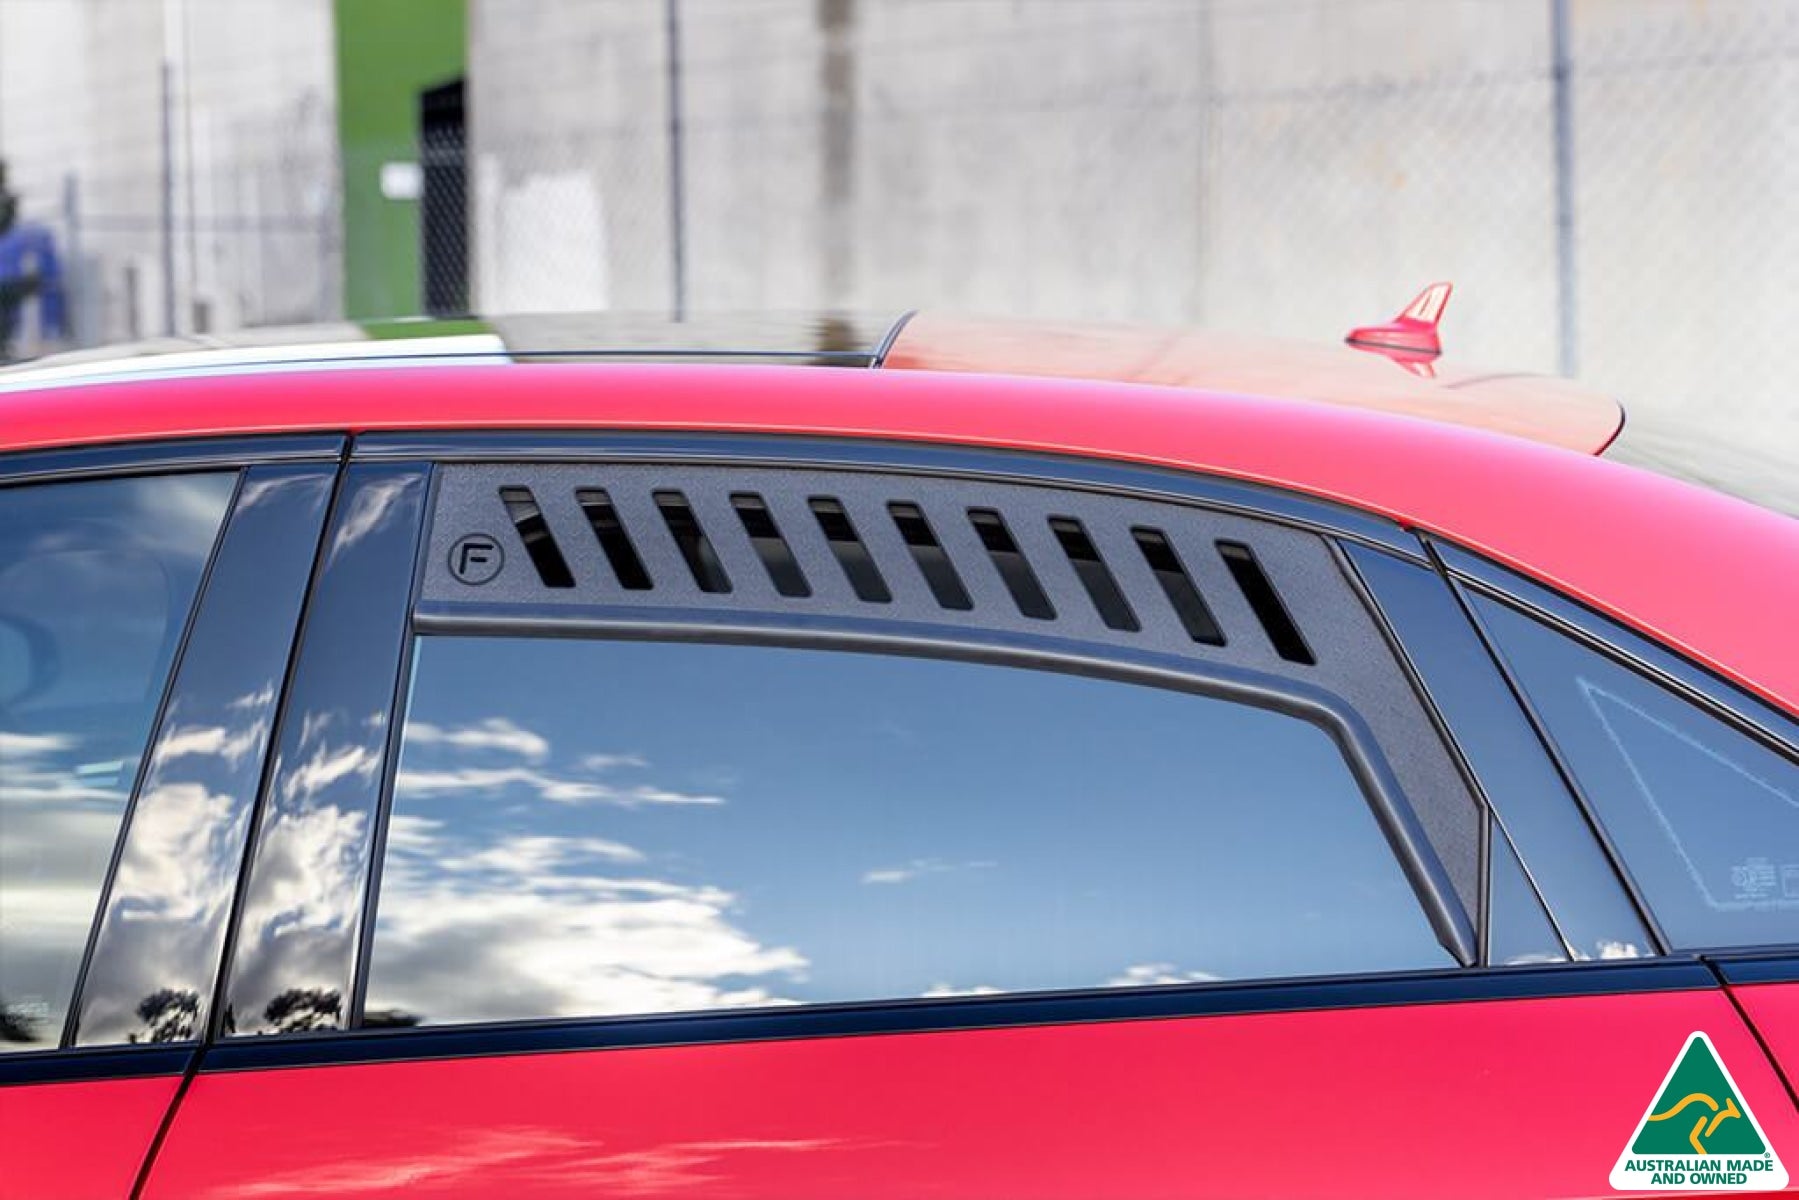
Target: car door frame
{"points": [[1357, 537]]}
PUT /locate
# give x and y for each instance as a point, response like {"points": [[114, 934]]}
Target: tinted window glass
{"points": [[1518, 930], [1705, 818], [96, 580], [627, 827]]}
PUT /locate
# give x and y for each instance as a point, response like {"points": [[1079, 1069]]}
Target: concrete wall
{"points": [[1284, 166], [554, 227], [251, 162]]}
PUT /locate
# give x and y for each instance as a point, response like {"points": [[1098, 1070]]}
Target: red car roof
{"points": [[1715, 577]]}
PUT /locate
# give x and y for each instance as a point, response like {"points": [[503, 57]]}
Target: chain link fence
{"points": [[253, 255], [182, 157], [1618, 199]]}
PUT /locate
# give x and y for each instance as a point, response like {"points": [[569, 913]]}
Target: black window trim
{"points": [[1692, 681], [270, 560], [1348, 557], [390, 764], [930, 1015], [1145, 481], [99, 1063], [1472, 575], [167, 457], [1775, 964], [1562, 850], [1453, 985], [318, 623]]}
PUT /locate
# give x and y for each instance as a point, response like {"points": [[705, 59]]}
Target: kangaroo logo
{"points": [[1699, 1133], [1708, 1124]]}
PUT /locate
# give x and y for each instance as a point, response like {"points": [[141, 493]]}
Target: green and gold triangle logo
{"points": [[1699, 1133]]}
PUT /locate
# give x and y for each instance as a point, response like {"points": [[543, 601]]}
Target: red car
{"points": [[843, 759]]}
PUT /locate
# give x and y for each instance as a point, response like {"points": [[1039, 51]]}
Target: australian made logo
{"points": [[1699, 1133]]}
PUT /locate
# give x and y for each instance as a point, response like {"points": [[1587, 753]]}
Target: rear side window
{"points": [[96, 582], [1705, 818], [618, 827]]}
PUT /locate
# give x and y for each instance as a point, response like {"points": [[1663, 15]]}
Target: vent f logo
{"points": [[476, 558]]}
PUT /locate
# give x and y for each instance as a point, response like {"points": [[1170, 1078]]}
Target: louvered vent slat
{"points": [[1084, 565], [770, 546], [534, 532]]}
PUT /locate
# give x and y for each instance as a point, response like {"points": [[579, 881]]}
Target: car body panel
{"points": [[1471, 1096], [79, 1139], [1717, 581], [1482, 1098], [1773, 1008]]}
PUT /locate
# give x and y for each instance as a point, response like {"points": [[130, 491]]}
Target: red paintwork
{"points": [[1773, 1008], [1712, 576], [1503, 1098], [78, 1140], [1512, 1098]]}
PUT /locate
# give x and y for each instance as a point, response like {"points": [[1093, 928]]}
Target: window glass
{"points": [[1518, 930], [96, 580], [1705, 818], [599, 827]]}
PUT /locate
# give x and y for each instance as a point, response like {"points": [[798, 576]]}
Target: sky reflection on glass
{"points": [[297, 933], [96, 579], [1707, 818], [152, 974], [595, 827]]}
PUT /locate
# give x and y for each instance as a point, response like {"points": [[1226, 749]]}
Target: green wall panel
{"points": [[388, 51]]}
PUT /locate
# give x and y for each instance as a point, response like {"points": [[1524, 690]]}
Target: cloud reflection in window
{"points": [[654, 827], [542, 925], [96, 581]]}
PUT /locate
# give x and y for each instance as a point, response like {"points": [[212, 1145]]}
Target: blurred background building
{"points": [[1612, 184]]}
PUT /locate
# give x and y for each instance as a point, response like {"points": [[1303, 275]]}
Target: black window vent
{"points": [[696, 547], [765, 536], [1276, 621], [602, 518], [1082, 564], [1195, 616], [1013, 567], [1113, 608], [927, 552], [858, 566], [534, 532]]}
